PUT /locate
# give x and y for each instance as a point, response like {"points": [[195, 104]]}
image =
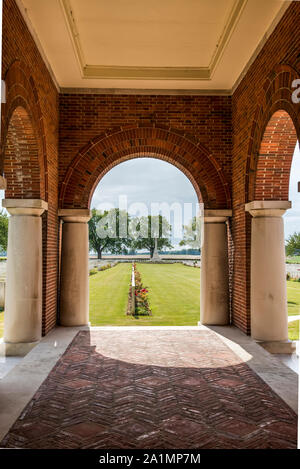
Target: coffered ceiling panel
{"points": [[150, 44]]}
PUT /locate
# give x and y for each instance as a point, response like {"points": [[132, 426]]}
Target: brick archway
{"points": [[21, 165], [23, 155], [109, 149], [275, 158], [267, 174]]}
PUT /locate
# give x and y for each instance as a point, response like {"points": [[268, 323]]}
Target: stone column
{"points": [[74, 279], [214, 280], [269, 317], [23, 303]]}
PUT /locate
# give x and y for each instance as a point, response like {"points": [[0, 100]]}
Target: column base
{"points": [[19, 349], [285, 347], [75, 324], [206, 323]]}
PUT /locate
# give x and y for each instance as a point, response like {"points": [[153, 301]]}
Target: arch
{"points": [[22, 129], [275, 158], [275, 115], [21, 165], [118, 145]]}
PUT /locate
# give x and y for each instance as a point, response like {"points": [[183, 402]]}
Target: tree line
{"points": [[140, 233], [129, 244]]}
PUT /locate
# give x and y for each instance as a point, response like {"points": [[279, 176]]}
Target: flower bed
{"points": [[139, 305]]}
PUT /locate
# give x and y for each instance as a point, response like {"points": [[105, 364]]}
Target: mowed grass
{"points": [[293, 296], [1, 323], [109, 296], [174, 293], [293, 260]]}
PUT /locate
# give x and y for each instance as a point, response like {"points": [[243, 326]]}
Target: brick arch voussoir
{"points": [[21, 92], [103, 152], [276, 95]]}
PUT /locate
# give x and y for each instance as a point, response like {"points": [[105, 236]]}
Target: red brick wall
{"points": [[265, 89], [97, 131], [30, 86]]}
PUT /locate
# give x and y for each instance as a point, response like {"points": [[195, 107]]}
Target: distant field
{"points": [[293, 296], [1, 323], [293, 260]]}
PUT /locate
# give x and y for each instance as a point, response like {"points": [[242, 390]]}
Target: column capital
{"points": [[30, 207], [267, 208], [74, 215], [217, 216]]}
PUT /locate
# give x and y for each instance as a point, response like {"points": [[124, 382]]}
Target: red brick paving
{"points": [[153, 389]]}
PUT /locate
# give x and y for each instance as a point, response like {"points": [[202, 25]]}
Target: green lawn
{"points": [[293, 295], [174, 295], [1, 323], [293, 260], [109, 295]]}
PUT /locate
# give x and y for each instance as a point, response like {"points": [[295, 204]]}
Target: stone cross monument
{"points": [[156, 256]]}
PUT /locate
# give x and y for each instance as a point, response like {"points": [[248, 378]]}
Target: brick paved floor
{"points": [[153, 389]]}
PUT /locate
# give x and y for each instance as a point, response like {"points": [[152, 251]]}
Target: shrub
{"points": [[141, 295], [104, 267], [93, 272]]}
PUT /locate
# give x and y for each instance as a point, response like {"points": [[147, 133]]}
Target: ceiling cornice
{"points": [[146, 91]]}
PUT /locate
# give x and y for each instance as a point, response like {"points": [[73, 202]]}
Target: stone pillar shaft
{"points": [[269, 317], [214, 280], [74, 281], [23, 303]]}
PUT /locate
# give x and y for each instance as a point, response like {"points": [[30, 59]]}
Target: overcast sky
{"points": [[147, 181]]}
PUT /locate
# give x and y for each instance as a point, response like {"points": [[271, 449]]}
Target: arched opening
{"points": [[22, 269], [102, 154], [21, 159], [143, 188], [269, 311], [275, 158], [292, 247]]}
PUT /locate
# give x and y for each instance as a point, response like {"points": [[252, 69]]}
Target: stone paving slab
{"points": [[153, 389]]}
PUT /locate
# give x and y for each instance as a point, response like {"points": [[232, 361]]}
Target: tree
{"points": [[149, 228], [192, 234], [292, 247], [3, 230], [104, 232]]}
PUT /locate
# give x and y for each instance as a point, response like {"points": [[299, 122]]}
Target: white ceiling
{"points": [[150, 44]]}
